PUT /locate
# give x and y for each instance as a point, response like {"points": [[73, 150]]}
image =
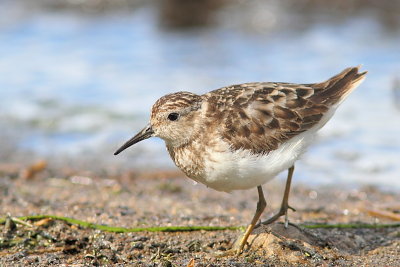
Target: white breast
{"points": [[227, 171]]}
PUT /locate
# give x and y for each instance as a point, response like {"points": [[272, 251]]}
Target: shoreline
{"points": [[164, 199]]}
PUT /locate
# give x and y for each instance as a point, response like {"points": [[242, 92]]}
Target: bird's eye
{"points": [[173, 116]]}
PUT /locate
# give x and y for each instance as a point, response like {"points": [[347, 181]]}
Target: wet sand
{"points": [[166, 198]]}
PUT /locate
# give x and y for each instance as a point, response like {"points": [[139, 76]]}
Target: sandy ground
{"points": [[166, 198]]}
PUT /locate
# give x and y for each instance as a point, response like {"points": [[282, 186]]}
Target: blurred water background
{"points": [[78, 77]]}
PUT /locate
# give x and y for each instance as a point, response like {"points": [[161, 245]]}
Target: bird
{"points": [[241, 136]]}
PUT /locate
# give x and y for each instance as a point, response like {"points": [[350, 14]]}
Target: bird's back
{"points": [[261, 116]]}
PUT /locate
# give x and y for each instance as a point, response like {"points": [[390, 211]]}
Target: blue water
{"points": [[74, 83]]}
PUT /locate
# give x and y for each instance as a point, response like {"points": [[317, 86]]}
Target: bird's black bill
{"points": [[147, 132]]}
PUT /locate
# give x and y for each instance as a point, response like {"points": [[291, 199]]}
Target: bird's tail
{"points": [[336, 89]]}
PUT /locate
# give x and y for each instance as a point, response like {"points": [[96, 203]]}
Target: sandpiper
{"points": [[241, 136]]}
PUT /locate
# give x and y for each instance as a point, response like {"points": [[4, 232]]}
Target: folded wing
{"points": [[265, 115]]}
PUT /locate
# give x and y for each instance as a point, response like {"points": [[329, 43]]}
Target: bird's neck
{"points": [[188, 157]]}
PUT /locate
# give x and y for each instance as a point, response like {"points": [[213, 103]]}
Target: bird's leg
{"points": [[241, 242], [261, 204], [285, 202]]}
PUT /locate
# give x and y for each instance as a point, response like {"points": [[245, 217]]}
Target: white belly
{"points": [[227, 171]]}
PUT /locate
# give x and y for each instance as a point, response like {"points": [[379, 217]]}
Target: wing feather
{"points": [[261, 116]]}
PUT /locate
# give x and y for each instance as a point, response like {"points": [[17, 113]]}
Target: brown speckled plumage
{"points": [[257, 117], [242, 136], [261, 116]]}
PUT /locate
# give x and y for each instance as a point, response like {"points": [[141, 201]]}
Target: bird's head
{"points": [[174, 117]]}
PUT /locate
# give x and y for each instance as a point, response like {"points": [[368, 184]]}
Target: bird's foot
{"points": [[283, 211], [236, 249]]}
